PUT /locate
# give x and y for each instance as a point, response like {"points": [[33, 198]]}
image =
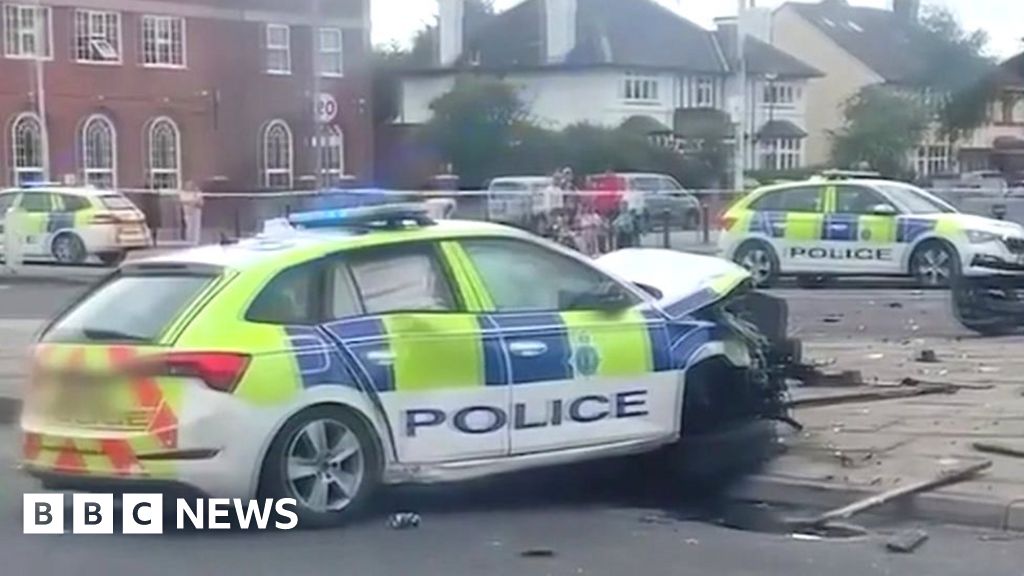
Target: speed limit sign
{"points": [[326, 107]]}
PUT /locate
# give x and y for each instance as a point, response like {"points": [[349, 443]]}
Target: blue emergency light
{"points": [[383, 216]]}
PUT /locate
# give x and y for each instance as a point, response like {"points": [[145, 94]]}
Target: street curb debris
{"points": [[933, 506], [10, 410]]}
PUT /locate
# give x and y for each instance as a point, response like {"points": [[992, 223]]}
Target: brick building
{"points": [[154, 94]]}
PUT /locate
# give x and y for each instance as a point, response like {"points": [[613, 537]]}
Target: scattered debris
{"points": [[404, 520], [876, 356], [895, 305], [1000, 449], [927, 356], [656, 519], [812, 375], [692, 541], [538, 553], [988, 369], [908, 381], [832, 319], [872, 396], [907, 541], [944, 478]]}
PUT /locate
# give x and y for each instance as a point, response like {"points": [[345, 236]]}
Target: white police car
{"points": [[345, 349], [862, 226], [69, 224]]}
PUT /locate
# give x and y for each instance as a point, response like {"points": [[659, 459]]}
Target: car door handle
{"points": [[527, 348], [381, 358], [838, 226]]}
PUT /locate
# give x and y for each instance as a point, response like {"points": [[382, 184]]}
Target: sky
{"points": [[398, 20]]}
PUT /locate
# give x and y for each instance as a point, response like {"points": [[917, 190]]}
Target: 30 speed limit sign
{"points": [[326, 107]]}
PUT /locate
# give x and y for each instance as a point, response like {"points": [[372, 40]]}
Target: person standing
{"points": [[192, 213]]}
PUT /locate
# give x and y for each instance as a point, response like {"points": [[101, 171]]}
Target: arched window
{"points": [[99, 152], [29, 161], [277, 155], [164, 144], [332, 155]]}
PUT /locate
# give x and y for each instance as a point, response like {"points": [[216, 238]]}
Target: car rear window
{"points": [[116, 202], [129, 308]]}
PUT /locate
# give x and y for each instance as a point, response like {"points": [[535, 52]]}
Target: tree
{"points": [[957, 74], [882, 126], [475, 125]]}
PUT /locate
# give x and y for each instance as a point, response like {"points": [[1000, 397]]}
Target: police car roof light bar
{"points": [[849, 175], [388, 216]]}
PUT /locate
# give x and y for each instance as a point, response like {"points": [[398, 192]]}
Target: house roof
{"points": [[637, 33], [763, 58], [781, 129], [878, 38]]}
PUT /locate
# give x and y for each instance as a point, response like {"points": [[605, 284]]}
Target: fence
{"points": [[240, 214]]}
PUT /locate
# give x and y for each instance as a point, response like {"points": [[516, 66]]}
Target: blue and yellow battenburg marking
{"points": [[846, 227], [407, 354]]}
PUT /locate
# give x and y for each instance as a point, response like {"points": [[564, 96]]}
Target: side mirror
{"points": [[883, 210]]}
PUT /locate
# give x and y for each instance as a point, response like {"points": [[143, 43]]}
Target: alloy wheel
{"points": [[325, 465]]}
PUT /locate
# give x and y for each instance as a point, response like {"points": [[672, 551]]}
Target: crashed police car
{"points": [[346, 349], [859, 224]]}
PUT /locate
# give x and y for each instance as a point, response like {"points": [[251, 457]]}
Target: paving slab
{"points": [[852, 450]]}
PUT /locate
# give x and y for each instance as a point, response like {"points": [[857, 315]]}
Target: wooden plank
{"points": [[944, 478], [1000, 449]]}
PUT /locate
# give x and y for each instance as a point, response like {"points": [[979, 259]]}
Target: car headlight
{"points": [[981, 237]]}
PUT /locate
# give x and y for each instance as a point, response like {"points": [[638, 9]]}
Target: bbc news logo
{"points": [[144, 514]]}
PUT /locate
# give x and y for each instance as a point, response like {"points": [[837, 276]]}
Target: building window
{"points": [[933, 159], [331, 144], [97, 36], [279, 49], [277, 155], [27, 145], [27, 31], [781, 94], [331, 60], [163, 41], [164, 154], [640, 88], [99, 152], [704, 93], [781, 154]]}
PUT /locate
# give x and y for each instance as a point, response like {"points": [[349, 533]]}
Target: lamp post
{"points": [[40, 88], [741, 116], [772, 97]]}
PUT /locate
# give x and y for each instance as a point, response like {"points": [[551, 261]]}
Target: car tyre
{"points": [[935, 264], [68, 248], [974, 318], [112, 258], [328, 459], [760, 260]]}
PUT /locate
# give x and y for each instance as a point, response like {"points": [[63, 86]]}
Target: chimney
{"points": [[757, 22], [906, 10], [452, 16], [560, 27]]}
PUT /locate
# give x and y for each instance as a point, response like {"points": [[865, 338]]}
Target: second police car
{"points": [[341, 350], [862, 226], [70, 224]]}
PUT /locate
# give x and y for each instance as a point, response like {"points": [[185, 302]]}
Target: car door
{"points": [[33, 213], [861, 235], [583, 373], [794, 220], [424, 357]]}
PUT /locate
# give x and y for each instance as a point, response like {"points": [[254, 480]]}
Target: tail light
{"points": [[220, 371], [726, 222], [105, 218]]}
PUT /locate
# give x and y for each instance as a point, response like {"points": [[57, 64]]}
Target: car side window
{"points": [[6, 201], [344, 299], [294, 296], [522, 276], [801, 199], [404, 278], [36, 202], [857, 200], [73, 203]]}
